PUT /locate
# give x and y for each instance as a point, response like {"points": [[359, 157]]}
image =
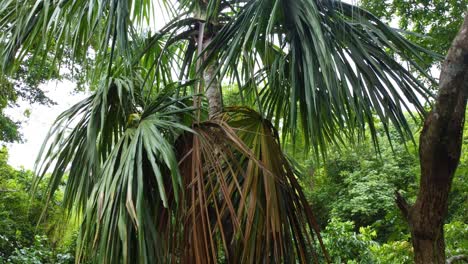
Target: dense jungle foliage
{"points": [[351, 190]]}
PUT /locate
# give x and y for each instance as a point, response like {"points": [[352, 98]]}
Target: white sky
{"points": [[35, 128]]}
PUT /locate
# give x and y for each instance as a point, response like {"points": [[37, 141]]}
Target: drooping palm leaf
{"points": [[96, 123], [123, 172], [103, 30], [132, 193], [82, 138], [326, 65], [243, 202]]}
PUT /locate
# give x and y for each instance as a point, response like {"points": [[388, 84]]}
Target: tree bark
{"points": [[439, 152], [212, 86]]}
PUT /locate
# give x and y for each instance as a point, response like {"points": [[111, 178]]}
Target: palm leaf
{"points": [[243, 201], [73, 28], [133, 194], [82, 138], [326, 65]]}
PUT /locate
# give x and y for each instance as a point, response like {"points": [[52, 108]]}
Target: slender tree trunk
{"points": [[212, 86], [439, 152]]}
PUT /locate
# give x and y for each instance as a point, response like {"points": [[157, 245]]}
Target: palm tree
{"points": [[159, 167]]}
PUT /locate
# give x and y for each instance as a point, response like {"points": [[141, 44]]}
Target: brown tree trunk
{"points": [[439, 152]]}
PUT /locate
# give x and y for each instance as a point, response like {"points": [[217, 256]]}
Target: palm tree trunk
{"points": [[439, 151], [212, 86]]}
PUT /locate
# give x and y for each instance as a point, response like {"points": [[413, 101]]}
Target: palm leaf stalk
{"points": [[156, 179]]}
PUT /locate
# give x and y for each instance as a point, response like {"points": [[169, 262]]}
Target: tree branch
{"points": [[402, 204], [443, 127]]}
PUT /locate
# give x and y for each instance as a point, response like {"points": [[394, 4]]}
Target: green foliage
{"points": [[37, 253], [40, 252], [456, 238], [346, 246], [8, 128], [367, 191], [400, 252], [431, 24], [20, 216], [358, 184], [459, 192], [24, 86]]}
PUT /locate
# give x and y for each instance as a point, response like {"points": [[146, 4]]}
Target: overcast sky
{"points": [[35, 128]]}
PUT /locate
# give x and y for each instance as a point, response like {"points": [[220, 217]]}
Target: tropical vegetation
{"points": [[189, 149]]}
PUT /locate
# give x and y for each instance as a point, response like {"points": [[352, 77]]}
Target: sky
{"points": [[35, 127]]}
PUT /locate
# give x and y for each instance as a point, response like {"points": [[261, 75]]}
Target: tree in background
{"points": [[355, 189], [430, 24], [159, 173], [9, 128], [439, 152], [24, 85], [440, 144]]}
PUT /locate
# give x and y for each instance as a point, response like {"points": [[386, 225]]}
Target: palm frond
{"points": [[138, 182], [73, 28], [243, 202], [328, 66], [82, 138]]}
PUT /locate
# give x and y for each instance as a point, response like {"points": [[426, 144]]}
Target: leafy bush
{"points": [[346, 246], [400, 252], [456, 238], [40, 252], [360, 186], [23, 238]]}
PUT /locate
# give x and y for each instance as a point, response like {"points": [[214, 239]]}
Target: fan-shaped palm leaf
{"points": [[123, 169], [78, 25], [327, 65]]}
